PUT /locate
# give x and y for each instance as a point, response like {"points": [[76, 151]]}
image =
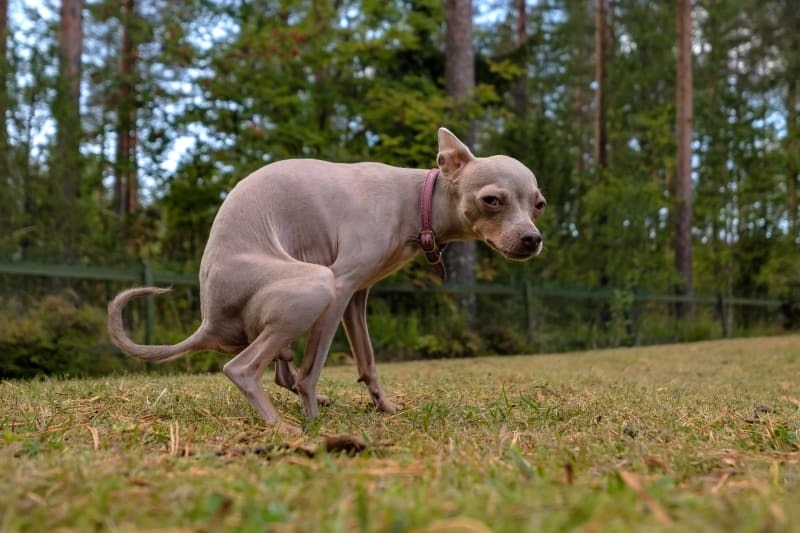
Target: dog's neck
{"points": [[448, 224]]}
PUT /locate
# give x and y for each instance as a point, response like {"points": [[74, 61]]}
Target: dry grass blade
{"points": [[722, 480], [793, 401], [457, 525], [635, 484], [95, 437], [174, 439]]}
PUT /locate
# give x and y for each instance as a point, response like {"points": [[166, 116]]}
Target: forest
{"points": [[665, 135]]}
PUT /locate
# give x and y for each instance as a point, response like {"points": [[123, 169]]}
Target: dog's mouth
{"points": [[520, 256], [515, 255]]}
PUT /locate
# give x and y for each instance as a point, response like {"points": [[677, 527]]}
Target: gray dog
{"points": [[297, 245]]}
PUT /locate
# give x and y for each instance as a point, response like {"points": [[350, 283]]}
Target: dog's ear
{"points": [[453, 154]]}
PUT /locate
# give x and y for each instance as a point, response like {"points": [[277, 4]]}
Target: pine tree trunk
{"points": [[460, 86], [5, 157], [792, 126], [126, 184], [582, 106], [519, 89], [793, 156], [66, 107], [7, 186], [3, 84], [600, 140], [683, 178]]}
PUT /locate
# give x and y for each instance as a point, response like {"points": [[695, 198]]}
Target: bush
{"points": [[55, 336], [405, 336], [503, 340], [394, 336]]}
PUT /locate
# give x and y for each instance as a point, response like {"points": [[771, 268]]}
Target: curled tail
{"points": [[156, 352]]}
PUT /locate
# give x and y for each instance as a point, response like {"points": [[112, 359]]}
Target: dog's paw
{"points": [[285, 428], [386, 406], [323, 400]]}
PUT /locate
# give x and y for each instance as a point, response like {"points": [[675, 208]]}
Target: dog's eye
{"points": [[541, 205], [492, 201]]}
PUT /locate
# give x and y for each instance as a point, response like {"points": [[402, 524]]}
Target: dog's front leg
{"points": [[319, 342], [355, 325]]}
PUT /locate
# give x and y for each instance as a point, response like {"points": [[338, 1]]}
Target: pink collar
{"points": [[427, 239]]}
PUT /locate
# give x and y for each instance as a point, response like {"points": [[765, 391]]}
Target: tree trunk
{"points": [[460, 86], [792, 125], [519, 89], [793, 173], [600, 131], [460, 56], [683, 178], [126, 183], [8, 189], [67, 166], [600, 140], [581, 64], [5, 157], [3, 85]]}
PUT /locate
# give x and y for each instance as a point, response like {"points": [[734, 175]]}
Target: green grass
{"points": [[700, 437]]}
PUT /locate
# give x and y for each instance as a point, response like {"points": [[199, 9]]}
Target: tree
{"points": [[519, 89], [66, 110], [460, 87], [683, 174], [5, 156], [600, 137], [126, 181], [3, 86], [790, 18]]}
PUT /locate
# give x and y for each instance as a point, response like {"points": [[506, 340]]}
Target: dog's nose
{"points": [[532, 240]]}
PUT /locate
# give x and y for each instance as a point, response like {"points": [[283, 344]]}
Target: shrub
{"points": [[503, 340], [56, 335]]}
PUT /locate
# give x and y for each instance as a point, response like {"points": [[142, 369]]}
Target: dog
{"points": [[297, 244]]}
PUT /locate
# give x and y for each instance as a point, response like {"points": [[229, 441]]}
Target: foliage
{"points": [[64, 335], [51, 337], [699, 437], [409, 336]]}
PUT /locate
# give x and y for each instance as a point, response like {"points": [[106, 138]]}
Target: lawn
{"points": [[700, 437]]}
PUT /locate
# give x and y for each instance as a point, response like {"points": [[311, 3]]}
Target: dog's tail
{"points": [[156, 352]]}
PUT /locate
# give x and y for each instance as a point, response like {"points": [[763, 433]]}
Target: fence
{"points": [[551, 318]]}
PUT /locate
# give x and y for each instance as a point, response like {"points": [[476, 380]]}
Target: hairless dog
{"points": [[297, 245]]}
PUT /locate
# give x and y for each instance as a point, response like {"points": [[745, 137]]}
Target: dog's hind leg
{"points": [[286, 374], [355, 325], [319, 342], [246, 369], [281, 311]]}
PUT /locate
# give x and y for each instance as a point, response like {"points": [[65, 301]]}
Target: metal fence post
{"points": [[150, 307], [634, 321], [528, 295], [723, 318]]}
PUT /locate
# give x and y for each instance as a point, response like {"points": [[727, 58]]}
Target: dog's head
{"points": [[497, 196]]}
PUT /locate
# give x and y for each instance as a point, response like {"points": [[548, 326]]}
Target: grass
{"points": [[701, 437]]}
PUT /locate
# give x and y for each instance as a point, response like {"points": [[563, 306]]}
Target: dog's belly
{"points": [[308, 244], [391, 264]]}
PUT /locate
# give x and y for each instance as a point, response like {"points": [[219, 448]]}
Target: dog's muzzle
{"points": [[527, 246]]}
